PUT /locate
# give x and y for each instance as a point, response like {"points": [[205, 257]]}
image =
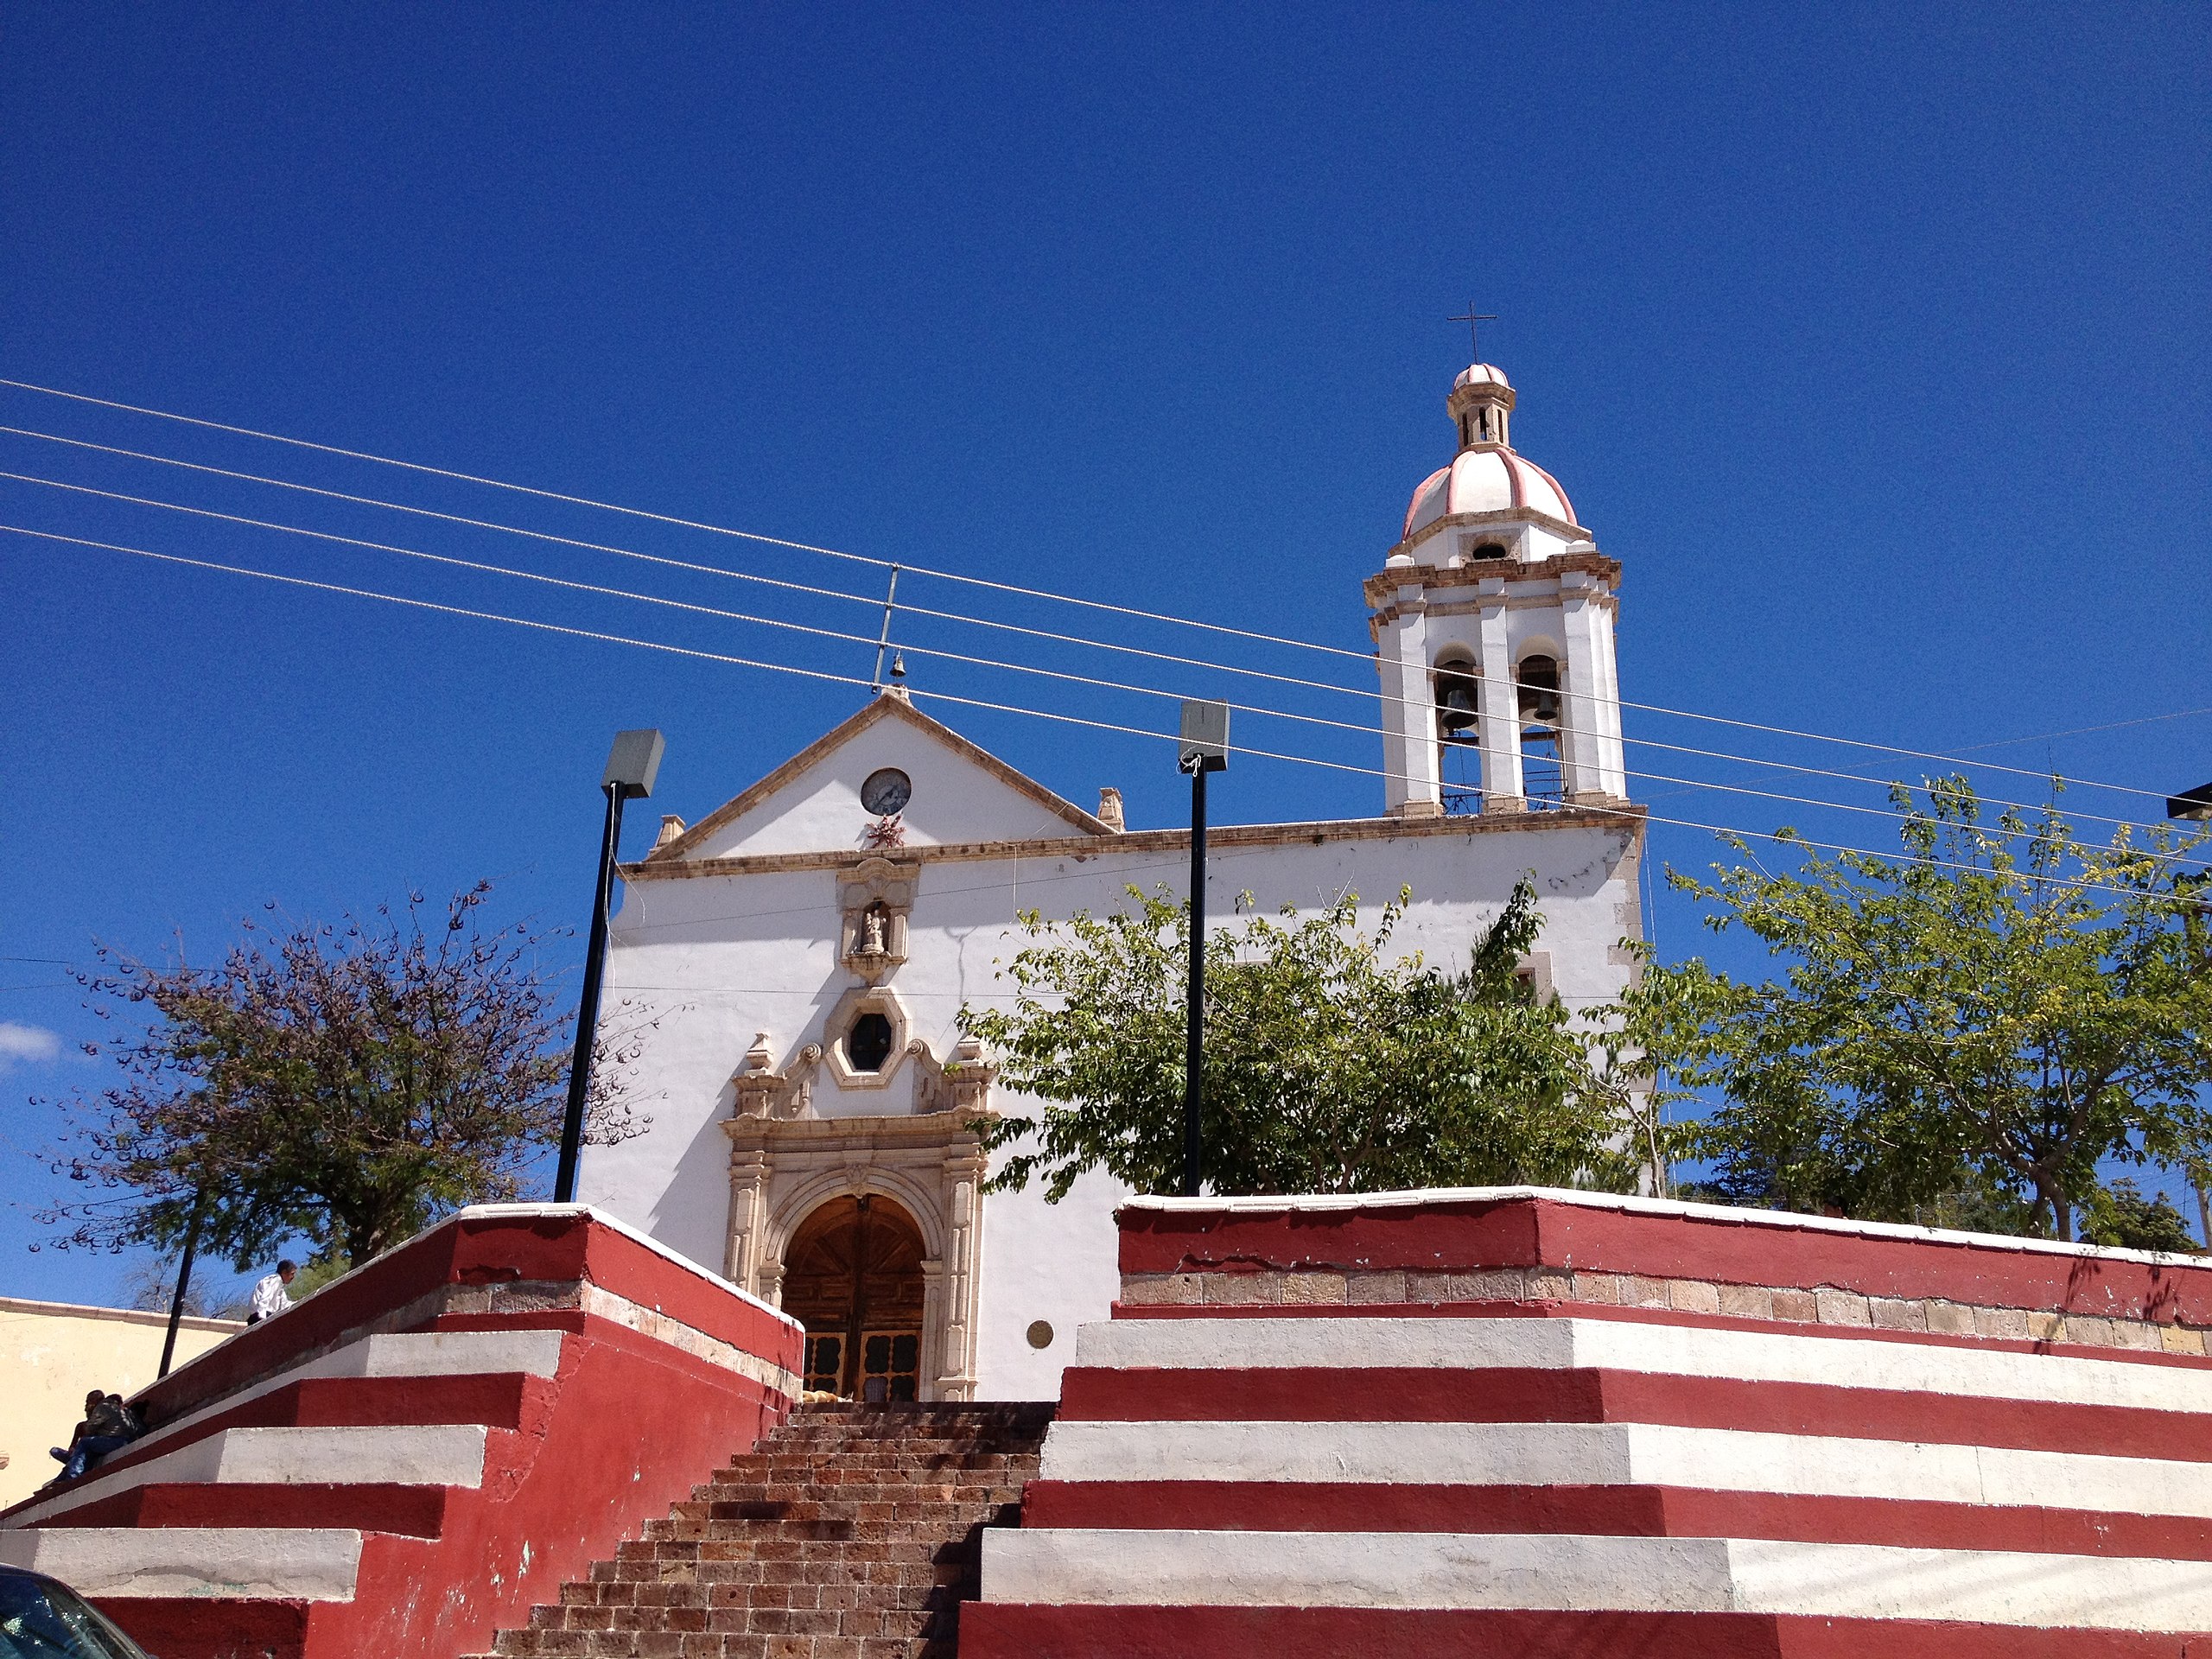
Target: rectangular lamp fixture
{"points": [[1205, 737]]}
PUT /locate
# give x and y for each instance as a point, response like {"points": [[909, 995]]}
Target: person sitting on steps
{"points": [[109, 1425]]}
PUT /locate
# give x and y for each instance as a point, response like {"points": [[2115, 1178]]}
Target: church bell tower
{"points": [[1493, 621]]}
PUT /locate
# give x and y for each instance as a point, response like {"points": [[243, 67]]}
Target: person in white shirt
{"points": [[270, 1296]]}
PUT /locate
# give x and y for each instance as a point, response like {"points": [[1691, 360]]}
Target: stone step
{"points": [[894, 1504], [742, 1502], [296, 1563], [850, 1533]]}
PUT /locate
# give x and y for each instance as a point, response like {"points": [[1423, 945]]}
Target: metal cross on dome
{"points": [[1474, 320]]}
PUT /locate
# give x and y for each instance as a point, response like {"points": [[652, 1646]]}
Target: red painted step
{"points": [[411, 1511]]}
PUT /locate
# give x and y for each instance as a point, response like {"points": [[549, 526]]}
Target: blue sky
{"points": [[1871, 341]]}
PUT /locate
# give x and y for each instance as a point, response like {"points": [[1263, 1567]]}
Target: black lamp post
{"points": [[2195, 804], [1204, 749], [183, 1280], [630, 771]]}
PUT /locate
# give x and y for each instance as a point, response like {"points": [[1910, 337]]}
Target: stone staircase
{"points": [[852, 1532], [411, 1459]]}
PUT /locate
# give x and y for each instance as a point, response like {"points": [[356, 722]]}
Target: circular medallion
{"points": [[886, 791], [1040, 1335]]}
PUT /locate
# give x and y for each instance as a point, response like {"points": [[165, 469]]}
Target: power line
{"points": [[887, 564], [2084, 731], [685, 523], [660, 646], [432, 512], [1633, 814], [675, 604], [1098, 682], [870, 601]]}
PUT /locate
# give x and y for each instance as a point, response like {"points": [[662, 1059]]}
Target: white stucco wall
{"points": [[716, 959]]}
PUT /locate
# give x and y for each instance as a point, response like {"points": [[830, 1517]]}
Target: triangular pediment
{"points": [[811, 803]]}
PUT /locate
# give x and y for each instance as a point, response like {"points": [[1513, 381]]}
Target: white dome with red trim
{"points": [[1492, 479], [1487, 476]]}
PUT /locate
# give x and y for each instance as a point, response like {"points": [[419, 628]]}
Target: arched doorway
{"points": [[853, 1277]]}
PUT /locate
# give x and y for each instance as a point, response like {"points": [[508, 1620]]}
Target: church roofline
{"points": [[885, 705], [1627, 817]]}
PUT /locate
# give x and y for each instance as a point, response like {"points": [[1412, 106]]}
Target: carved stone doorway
{"points": [[853, 1277]]}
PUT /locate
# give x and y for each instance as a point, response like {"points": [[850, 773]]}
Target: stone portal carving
{"points": [[782, 1167]]}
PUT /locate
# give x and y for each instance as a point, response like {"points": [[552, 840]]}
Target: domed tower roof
{"points": [[1487, 475]]}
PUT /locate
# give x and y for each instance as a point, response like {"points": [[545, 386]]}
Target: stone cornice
{"points": [[916, 1131], [1380, 585], [1628, 817], [1573, 532]]}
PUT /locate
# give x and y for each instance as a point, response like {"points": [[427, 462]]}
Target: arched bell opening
{"points": [[1459, 732], [852, 1276], [1537, 691]]}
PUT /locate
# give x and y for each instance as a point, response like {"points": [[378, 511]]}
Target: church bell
{"points": [[1457, 713]]}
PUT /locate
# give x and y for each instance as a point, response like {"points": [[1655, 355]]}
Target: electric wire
{"points": [[1261, 710], [661, 646], [785, 584], [1792, 766], [1630, 813], [686, 524], [2084, 731], [887, 565], [487, 568]]}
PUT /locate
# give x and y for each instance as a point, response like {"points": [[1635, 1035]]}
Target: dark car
{"points": [[44, 1618]]}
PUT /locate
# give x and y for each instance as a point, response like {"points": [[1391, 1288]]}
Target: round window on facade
{"points": [[885, 792], [1490, 550], [1040, 1334], [867, 1045]]}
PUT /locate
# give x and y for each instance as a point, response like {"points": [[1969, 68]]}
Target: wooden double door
{"points": [[853, 1277]]}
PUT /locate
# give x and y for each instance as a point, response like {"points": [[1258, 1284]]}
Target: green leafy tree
{"points": [[2120, 1215], [344, 1084], [1328, 1069], [1974, 1026], [1658, 1015]]}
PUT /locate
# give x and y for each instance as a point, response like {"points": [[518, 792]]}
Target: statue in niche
{"points": [[875, 899]]}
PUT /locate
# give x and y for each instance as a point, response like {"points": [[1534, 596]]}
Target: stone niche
{"points": [[875, 899]]}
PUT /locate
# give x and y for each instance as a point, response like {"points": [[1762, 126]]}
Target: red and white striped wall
{"points": [[418, 1455], [1531, 1424]]}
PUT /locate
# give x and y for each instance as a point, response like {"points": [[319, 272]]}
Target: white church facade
{"points": [[805, 949]]}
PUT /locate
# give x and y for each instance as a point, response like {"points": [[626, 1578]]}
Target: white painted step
{"points": [[1653, 1454], [1126, 1567], [300, 1564], [1874, 1361], [435, 1454]]}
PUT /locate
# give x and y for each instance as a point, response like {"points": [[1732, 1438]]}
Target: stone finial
{"points": [[671, 828], [757, 1083], [1110, 809]]}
